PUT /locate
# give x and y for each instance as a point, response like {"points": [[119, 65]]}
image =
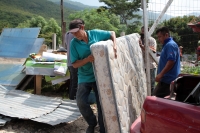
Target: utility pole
{"points": [[63, 24]]}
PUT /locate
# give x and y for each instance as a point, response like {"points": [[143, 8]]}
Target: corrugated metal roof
{"points": [[3, 120], [36, 47], [11, 75], [16, 43], [21, 32], [19, 42], [66, 112], [16, 103]]}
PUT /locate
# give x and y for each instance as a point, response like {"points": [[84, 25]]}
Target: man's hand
{"points": [[115, 50], [158, 77], [90, 58], [140, 42], [113, 38], [167, 67]]}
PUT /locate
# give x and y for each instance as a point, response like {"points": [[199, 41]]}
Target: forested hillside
{"points": [[13, 12], [73, 5]]}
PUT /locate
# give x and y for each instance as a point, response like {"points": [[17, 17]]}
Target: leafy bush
{"points": [[191, 70]]}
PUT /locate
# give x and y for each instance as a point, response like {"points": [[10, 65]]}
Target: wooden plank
{"points": [[38, 84]]}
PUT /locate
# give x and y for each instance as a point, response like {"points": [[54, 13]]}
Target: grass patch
{"points": [[191, 70]]}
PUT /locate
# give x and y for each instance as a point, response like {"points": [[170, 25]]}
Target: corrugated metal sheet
{"points": [[21, 32], [3, 120], [11, 75], [66, 112], [16, 43], [19, 43], [36, 47], [53, 111], [2, 88], [16, 103]]}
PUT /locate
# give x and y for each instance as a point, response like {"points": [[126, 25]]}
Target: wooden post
{"points": [[54, 41], [63, 34], [61, 7], [62, 23], [38, 84]]}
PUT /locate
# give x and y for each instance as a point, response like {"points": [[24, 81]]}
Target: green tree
{"points": [[38, 21], [50, 28], [47, 28], [95, 19], [134, 27], [3, 25], [124, 8], [183, 34]]}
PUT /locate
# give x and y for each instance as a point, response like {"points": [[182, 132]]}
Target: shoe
{"points": [[90, 129]]}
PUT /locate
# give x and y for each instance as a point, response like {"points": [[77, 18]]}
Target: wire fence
{"points": [[178, 9]]}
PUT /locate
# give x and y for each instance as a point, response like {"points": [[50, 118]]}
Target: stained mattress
{"points": [[121, 82]]}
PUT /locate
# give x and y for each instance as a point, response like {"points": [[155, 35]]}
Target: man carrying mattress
{"points": [[82, 59]]}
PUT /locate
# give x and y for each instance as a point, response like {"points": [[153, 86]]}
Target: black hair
{"points": [[81, 20], [163, 30], [143, 27], [76, 23]]}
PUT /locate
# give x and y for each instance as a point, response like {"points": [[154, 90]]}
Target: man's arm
{"points": [[113, 38], [141, 44], [82, 62], [90, 58], [167, 67], [152, 44]]}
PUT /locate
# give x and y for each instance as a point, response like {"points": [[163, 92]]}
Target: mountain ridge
{"points": [[73, 5], [14, 12]]}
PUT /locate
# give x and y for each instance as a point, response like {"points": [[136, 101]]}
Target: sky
{"points": [[177, 8], [90, 2]]}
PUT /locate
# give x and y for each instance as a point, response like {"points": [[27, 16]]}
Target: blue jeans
{"points": [[73, 82], [84, 107]]}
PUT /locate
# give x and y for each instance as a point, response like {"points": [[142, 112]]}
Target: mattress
{"points": [[121, 82]]}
